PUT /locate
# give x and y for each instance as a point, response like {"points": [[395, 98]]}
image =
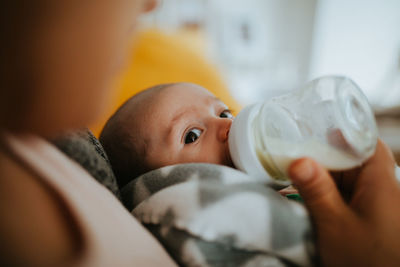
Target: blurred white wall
{"points": [[360, 39], [263, 46], [268, 47]]}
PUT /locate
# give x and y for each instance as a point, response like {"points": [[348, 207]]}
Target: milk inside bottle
{"points": [[329, 120]]}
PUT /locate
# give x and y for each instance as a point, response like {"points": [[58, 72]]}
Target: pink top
{"points": [[111, 235]]}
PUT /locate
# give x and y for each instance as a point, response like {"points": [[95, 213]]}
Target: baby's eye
{"points": [[192, 135], [226, 114]]}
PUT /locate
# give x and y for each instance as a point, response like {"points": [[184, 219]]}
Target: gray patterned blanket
{"points": [[212, 215]]}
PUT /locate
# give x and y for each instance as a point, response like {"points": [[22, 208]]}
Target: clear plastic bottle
{"points": [[329, 120]]}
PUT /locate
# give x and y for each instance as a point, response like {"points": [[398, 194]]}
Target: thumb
{"points": [[317, 189]]}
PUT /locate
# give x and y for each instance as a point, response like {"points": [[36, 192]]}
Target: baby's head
{"points": [[167, 124]]}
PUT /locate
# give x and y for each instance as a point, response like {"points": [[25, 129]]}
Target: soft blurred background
{"points": [[248, 50]]}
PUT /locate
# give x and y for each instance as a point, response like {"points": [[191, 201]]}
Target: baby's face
{"points": [[186, 123]]}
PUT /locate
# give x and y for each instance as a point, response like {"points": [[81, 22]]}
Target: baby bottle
{"points": [[329, 120]]}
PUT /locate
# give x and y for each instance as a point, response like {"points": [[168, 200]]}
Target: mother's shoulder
{"points": [[35, 227]]}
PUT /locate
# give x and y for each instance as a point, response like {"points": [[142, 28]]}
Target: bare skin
{"points": [[75, 51], [357, 219], [67, 73], [185, 123], [164, 125]]}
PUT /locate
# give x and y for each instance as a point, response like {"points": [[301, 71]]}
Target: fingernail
{"points": [[302, 170]]}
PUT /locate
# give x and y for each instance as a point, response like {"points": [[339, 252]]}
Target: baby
{"points": [[164, 125]]}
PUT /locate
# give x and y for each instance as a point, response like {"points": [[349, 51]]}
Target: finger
{"points": [[318, 190], [345, 181], [377, 177], [379, 169], [382, 156], [288, 190]]}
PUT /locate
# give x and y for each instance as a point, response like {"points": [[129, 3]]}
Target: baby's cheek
{"points": [[222, 156]]}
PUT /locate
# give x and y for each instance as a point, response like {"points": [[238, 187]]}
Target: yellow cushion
{"points": [[164, 58]]}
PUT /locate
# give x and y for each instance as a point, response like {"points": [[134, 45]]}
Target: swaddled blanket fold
{"points": [[212, 215]]}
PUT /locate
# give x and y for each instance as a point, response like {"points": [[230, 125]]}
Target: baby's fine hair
{"points": [[123, 140]]}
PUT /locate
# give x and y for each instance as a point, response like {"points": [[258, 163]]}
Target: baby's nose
{"points": [[225, 126]]}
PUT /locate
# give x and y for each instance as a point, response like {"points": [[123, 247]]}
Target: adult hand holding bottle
{"points": [[356, 214]]}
